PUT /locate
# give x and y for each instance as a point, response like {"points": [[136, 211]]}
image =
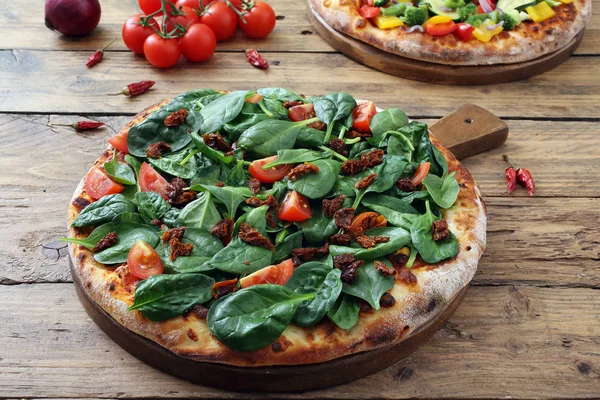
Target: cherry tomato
{"points": [[294, 207], [119, 142], [134, 34], [185, 17], [273, 274], [143, 261], [367, 220], [464, 31], [215, 287], [221, 19], [368, 11], [255, 98], [162, 53], [151, 181], [98, 184], [440, 29], [193, 4], [420, 173], [301, 112], [260, 21], [151, 6], [199, 43], [362, 115], [269, 175]]}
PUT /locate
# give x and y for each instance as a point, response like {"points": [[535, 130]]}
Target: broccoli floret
{"points": [[466, 11], [415, 15], [380, 3], [511, 19], [454, 4], [475, 20]]}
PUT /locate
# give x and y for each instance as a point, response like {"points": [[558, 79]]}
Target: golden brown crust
{"points": [[528, 41], [113, 288]]}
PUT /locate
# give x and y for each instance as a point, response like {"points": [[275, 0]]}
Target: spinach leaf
{"points": [[151, 205], [399, 145], [171, 218], [231, 196], [205, 246], [310, 137], [444, 191], [324, 282], [200, 213], [425, 151], [422, 238], [344, 312], [269, 136], [391, 119], [252, 318], [283, 250], [387, 173], [103, 210], [398, 238], [133, 217], [222, 110], [318, 227], [120, 173], [153, 130], [332, 108], [370, 284], [398, 212], [162, 297], [202, 96], [274, 108], [171, 164], [296, 156], [279, 94], [211, 153], [209, 171], [237, 176], [235, 128], [315, 186]]}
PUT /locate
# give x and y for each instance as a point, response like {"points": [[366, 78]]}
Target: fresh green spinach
{"points": [[315, 186], [444, 191], [344, 312], [269, 136], [391, 119], [422, 238], [332, 108], [120, 173], [205, 246], [200, 213], [399, 238], [296, 156], [370, 284], [103, 210], [222, 110], [151, 205]]}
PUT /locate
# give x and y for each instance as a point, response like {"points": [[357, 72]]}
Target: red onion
{"points": [[72, 17], [486, 6], [415, 28], [492, 27]]}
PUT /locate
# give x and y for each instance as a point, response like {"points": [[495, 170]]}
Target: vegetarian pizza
{"points": [[258, 228], [460, 32]]}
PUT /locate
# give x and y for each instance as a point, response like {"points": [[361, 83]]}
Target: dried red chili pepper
{"points": [[82, 125], [97, 56], [256, 59], [511, 176], [523, 177], [134, 89]]}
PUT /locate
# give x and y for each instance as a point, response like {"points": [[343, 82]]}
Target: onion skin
{"points": [[72, 17]]}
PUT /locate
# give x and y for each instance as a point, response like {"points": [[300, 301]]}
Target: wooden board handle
{"points": [[470, 130]]}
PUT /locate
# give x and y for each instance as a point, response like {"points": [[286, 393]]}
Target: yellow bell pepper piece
{"points": [[438, 19], [387, 22], [540, 12], [483, 34], [566, 1]]}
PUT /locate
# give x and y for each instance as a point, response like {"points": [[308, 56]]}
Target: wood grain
{"points": [[568, 91], [23, 28], [501, 342], [540, 241]]}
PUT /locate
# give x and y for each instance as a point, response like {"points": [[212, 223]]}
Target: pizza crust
{"points": [[113, 289], [528, 41]]}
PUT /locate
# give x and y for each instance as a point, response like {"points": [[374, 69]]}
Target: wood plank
{"points": [[541, 240], [501, 342], [23, 28], [569, 91]]}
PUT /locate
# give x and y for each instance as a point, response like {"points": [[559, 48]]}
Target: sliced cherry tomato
{"points": [[151, 181], [273, 274], [441, 29], [119, 142], [222, 288], [98, 184], [367, 220], [199, 43], [162, 53], [151, 6], [464, 31], [362, 115], [368, 11], [185, 17], [268, 175], [221, 19], [143, 261], [255, 98], [294, 207], [134, 34], [420, 173], [301, 112], [260, 21]]}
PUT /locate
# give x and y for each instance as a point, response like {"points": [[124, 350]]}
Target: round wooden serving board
{"points": [[264, 379], [438, 73]]}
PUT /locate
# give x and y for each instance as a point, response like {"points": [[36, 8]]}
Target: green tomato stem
{"points": [[343, 132]]}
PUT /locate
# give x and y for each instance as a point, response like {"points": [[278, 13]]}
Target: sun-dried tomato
{"points": [[223, 288], [156, 150], [348, 265], [304, 254], [330, 206], [366, 182], [384, 269], [176, 195], [176, 233], [338, 146], [365, 241], [250, 235], [109, 240], [254, 185], [222, 230], [302, 170], [341, 239], [372, 158], [318, 125], [439, 230], [178, 248], [216, 141], [343, 218], [176, 118], [405, 185]]}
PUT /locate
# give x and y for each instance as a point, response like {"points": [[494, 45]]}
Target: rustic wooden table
{"points": [[530, 323]]}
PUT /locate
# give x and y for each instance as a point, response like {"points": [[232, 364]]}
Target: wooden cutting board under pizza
{"points": [[247, 239], [495, 40]]}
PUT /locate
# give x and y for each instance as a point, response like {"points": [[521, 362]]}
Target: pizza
{"points": [[260, 228], [460, 32]]}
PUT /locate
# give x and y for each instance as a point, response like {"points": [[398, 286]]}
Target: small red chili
{"points": [[523, 177], [256, 59], [97, 56], [511, 176], [134, 89], [82, 125]]}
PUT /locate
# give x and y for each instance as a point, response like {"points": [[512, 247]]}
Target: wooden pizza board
{"points": [[469, 130], [438, 73]]}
